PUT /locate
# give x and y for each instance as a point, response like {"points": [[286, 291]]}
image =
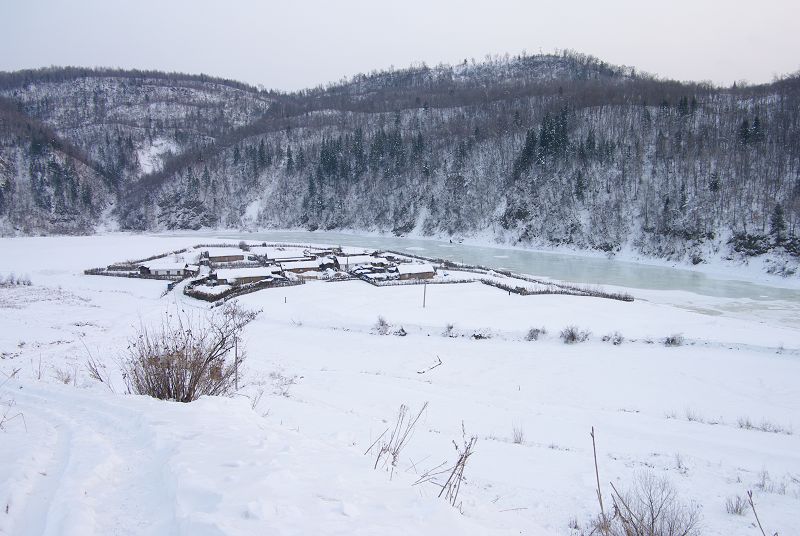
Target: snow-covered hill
{"points": [[538, 150]]}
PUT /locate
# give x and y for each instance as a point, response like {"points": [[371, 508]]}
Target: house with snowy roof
{"points": [[162, 267], [228, 254], [413, 270], [242, 276], [351, 262]]}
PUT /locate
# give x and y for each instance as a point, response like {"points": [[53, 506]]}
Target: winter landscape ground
{"points": [[717, 413]]}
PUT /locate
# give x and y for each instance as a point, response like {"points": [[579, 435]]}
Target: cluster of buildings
{"points": [[216, 269]]}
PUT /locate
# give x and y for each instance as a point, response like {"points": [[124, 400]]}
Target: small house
{"points": [[228, 254], [416, 271], [166, 268], [242, 276], [351, 262], [299, 267]]}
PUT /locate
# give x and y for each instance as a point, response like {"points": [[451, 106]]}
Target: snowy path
{"points": [[95, 463], [93, 468]]}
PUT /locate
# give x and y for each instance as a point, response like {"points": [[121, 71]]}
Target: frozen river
{"points": [[708, 294], [564, 267]]}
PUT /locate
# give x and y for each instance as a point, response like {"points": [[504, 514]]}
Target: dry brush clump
{"points": [[65, 376], [481, 334], [573, 335], [388, 447], [186, 357], [534, 334], [381, 327], [453, 475], [736, 505], [649, 507], [7, 411], [464, 451], [614, 338], [764, 426], [517, 435], [15, 281]]}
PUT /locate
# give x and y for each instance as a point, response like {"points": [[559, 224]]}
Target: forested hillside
{"points": [[537, 150], [46, 183]]}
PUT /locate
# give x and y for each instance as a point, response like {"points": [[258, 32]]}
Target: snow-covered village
{"points": [[417, 268]]}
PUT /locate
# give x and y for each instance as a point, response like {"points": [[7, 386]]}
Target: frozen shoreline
{"points": [[748, 271]]}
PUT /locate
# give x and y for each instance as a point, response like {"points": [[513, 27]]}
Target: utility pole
{"points": [[236, 361], [424, 293]]}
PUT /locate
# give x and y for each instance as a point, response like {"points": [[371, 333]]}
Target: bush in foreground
{"points": [[185, 358]]}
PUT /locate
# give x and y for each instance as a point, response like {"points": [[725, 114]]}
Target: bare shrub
{"points": [[95, 370], [400, 332], [388, 452], [765, 426], [614, 338], [449, 331], [650, 507], [534, 334], [693, 416], [8, 412], [680, 465], [455, 473], [518, 435], [381, 327], [281, 384], [244, 246], [736, 505], [62, 375], [676, 339], [573, 335], [453, 484], [482, 334], [185, 357], [745, 423], [768, 485], [13, 280]]}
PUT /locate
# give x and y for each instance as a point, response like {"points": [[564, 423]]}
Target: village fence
{"points": [[564, 288], [115, 273], [237, 291]]}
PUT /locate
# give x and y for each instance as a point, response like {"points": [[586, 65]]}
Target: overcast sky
{"points": [[291, 45]]}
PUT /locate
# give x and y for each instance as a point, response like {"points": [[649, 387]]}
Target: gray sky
{"points": [[291, 45]]}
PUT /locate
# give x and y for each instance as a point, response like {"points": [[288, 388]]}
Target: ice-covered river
{"points": [[565, 267]]}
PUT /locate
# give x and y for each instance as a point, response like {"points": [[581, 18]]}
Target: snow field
{"points": [[287, 457]]}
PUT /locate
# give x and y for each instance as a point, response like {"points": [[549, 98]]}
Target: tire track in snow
{"points": [[104, 476]]}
